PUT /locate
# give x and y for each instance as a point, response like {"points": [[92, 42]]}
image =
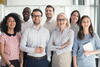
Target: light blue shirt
{"points": [[60, 38], [32, 39], [78, 50]]}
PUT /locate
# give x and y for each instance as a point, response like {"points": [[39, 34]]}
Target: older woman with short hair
{"points": [[61, 42]]}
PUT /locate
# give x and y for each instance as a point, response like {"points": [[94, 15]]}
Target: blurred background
{"points": [[85, 7]]}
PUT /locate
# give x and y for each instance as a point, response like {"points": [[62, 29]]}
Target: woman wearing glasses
{"points": [[61, 43]]}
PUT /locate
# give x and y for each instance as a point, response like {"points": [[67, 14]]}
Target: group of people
{"points": [[58, 43]]}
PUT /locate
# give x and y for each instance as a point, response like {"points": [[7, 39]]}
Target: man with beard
{"points": [[50, 22], [34, 42]]}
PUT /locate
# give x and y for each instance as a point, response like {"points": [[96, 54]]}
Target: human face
{"points": [[86, 23], [74, 17], [61, 21], [49, 12], [11, 23], [36, 17], [26, 13]]}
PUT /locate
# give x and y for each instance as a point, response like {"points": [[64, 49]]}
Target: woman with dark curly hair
{"points": [[9, 41]]}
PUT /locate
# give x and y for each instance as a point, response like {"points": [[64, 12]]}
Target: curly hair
{"points": [[17, 19]]}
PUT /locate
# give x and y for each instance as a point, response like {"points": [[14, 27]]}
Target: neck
{"points": [[37, 26], [86, 31], [25, 20], [73, 22], [48, 19], [10, 31], [62, 29]]}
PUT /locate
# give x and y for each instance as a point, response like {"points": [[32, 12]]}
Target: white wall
{"points": [[39, 2], [1, 12], [59, 5]]}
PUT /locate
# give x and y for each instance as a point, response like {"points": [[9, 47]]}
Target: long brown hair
{"points": [[81, 32], [78, 16]]}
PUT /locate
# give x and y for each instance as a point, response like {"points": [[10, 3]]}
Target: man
{"points": [[34, 41], [26, 19], [50, 23], [26, 24]]}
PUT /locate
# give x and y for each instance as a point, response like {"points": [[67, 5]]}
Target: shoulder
{"points": [[18, 34], [28, 29], [45, 29], [96, 35], [3, 36], [70, 31]]}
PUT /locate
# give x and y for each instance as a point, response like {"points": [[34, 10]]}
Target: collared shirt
{"points": [[60, 38], [33, 38], [26, 25], [50, 25], [11, 45], [78, 50]]}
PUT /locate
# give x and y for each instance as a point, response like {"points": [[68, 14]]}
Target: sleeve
{"points": [[75, 47], [2, 39], [71, 40], [69, 47], [50, 47], [24, 42], [97, 42], [47, 41], [48, 37]]}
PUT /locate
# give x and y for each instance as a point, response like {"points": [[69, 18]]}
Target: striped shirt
{"points": [[32, 39], [60, 38]]}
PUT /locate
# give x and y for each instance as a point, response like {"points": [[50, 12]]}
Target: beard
{"points": [[35, 23]]}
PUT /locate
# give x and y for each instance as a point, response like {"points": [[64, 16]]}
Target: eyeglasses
{"points": [[59, 20], [36, 16]]}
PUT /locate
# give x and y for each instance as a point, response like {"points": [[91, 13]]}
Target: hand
{"points": [[21, 64], [11, 65], [39, 50], [65, 44], [75, 66], [88, 53]]}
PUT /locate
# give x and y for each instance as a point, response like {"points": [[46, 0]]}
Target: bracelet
{"points": [[9, 65]]}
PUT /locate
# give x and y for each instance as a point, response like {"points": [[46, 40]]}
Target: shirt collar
{"points": [[10, 34]]}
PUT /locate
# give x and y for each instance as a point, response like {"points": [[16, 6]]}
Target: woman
{"points": [[74, 20], [86, 45], [9, 40], [61, 43]]}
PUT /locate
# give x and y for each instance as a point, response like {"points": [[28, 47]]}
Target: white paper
{"points": [[88, 46]]}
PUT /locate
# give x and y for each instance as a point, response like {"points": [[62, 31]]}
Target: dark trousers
{"points": [[50, 63], [33, 62], [96, 61], [16, 63], [24, 59]]}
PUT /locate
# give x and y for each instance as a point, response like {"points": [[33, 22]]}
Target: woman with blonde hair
{"points": [[61, 42]]}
